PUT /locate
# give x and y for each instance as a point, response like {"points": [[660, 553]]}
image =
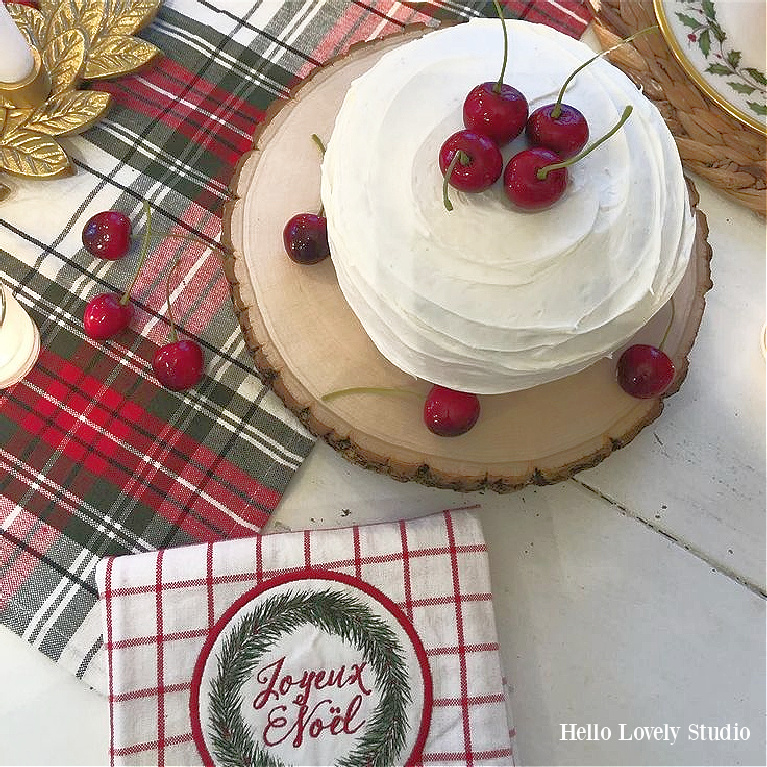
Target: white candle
{"points": [[16, 61]]}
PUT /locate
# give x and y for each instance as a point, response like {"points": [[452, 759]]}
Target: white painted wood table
{"points": [[630, 596]]}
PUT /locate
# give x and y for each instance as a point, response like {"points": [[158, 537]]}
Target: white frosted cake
{"points": [[486, 298]]}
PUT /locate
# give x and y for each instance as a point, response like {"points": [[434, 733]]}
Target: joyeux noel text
{"points": [[307, 706]]}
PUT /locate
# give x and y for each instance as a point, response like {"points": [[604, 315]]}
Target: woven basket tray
{"points": [[718, 147]]}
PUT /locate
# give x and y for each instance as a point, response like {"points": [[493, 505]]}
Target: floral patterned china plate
{"points": [[721, 46]]}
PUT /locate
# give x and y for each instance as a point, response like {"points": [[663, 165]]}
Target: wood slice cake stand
{"points": [[306, 341]]}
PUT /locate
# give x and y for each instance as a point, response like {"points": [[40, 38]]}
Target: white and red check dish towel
{"points": [[365, 645]]}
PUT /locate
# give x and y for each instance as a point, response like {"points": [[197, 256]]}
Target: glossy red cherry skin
{"points": [[107, 235], [179, 365], [644, 371], [566, 134], [484, 161], [105, 316], [305, 237], [449, 413], [522, 185], [501, 116]]}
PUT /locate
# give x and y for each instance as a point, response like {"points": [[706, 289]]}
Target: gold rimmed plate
{"points": [[721, 46]]}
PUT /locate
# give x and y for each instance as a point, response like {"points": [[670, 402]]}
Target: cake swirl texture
{"points": [[486, 298]]}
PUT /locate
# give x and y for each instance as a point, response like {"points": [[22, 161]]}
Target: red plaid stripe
{"points": [[157, 464], [25, 541], [406, 554], [461, 649], [200, 110], [160, 646], [109, 644]]}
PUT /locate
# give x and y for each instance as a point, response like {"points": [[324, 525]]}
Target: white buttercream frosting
{"points": [[486, 298]]}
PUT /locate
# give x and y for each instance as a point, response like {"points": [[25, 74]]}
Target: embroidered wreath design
{"points": [[332, 611]]}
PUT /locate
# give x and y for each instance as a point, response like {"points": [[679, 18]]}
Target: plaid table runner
{"points": [[180, 651], [96, 458]]}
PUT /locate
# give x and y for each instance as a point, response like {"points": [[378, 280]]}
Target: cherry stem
{"points": [[558, 106], [318, 141], [463, 158], [173, 335], [144, 250], [367, 390], [499, 11], [321, 146], [541, 173], [668, 327], [221, 251]]}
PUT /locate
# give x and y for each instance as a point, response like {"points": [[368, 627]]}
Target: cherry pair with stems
{"points": [[178, 364]]}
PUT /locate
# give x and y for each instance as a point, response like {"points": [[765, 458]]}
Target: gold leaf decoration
{"points": [[113, 56], [15, 119], [64, 57], [127, 17], [68, 15], [92, 20], [70, 112], [32, 154], [30, 21], [77, 41], [48, 7]]}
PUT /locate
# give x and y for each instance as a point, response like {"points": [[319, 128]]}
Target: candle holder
{"points": [[71, 43], [31, 92], [19, 339]]}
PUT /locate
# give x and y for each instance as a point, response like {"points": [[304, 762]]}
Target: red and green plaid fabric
{"points": [[96, 458]]}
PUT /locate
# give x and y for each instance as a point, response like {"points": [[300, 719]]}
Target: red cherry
{"points": [[522, 184], [448, 412], [566, 134], [536, 178], [479, 167], [107, 235], [179, 365], [563, 128], [305, 237], [106, 315], [30, 3], [644, 371], [497, 112]]}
